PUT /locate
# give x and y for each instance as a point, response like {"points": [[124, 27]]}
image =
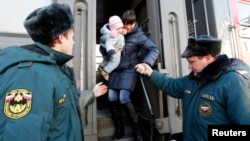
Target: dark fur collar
{"points": [[213, 70]]}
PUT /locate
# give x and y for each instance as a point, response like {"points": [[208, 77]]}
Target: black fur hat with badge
{"points": [[202, 45], [46, 23]]}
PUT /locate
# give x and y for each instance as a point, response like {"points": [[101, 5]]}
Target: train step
{"points": [[106, 128]]}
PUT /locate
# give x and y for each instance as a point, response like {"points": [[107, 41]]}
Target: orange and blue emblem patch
{"points": [[17, 103]]}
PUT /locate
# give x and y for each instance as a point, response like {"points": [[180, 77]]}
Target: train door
{"points": [[174, 39], [84, 58]]}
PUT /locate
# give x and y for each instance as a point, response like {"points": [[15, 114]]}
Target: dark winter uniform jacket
{"points": [[38, 98], [125, 76], [219, 95]]}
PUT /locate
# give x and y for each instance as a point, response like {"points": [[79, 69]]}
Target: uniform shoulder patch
{"points": [[17, 103]]}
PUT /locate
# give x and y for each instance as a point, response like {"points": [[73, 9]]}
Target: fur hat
{"points": [[202, 45], [46, 23]]}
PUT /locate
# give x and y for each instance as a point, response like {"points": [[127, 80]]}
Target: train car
{"points": [[225, 19], [168, 23]]}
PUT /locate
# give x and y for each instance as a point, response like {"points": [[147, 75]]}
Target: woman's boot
{"points": [[117, 120], [130, 111]]}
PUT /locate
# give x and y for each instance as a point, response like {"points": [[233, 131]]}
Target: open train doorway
{"points": [[105, 127]]}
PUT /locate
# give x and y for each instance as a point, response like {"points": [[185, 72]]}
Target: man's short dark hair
{"points": [[129, 17]]}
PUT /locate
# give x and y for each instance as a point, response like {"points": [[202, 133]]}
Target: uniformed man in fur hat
{"points": [[39, 98], [216, 92]]}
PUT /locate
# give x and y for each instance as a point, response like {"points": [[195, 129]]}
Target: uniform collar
{"points": [[59, 57]]}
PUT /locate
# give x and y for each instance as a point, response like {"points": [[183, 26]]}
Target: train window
{"points": [[244, 19], [15, 11], [244, 15]]}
